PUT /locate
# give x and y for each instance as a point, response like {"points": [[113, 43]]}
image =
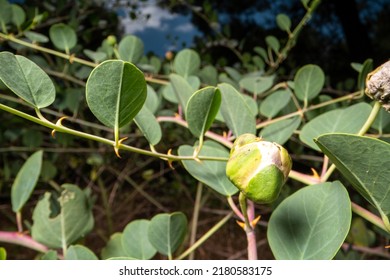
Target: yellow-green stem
{"points": [[206, 236], [19, 221], [195, 217], [60, 128]]}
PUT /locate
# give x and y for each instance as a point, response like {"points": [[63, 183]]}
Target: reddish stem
{"points": [[22, 239]]}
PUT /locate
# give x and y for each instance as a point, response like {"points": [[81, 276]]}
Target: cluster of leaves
{"points": [[219, 104]]}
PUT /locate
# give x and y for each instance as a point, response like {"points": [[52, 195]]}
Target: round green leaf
{"points": [[308, 82], [365, 70], [364, 162], [79, 252], [382, 120], [236, 113], [62, 220], [152, 101], [181, 88], [273, 43], [209, 75], [233, 73], [5, 12], [32, 138], [36, 37], [211, 173], [116, 92], [186, 62], [281, 131], [49, 171], [224, 78], [18, 15], [283, 22], [201, 110], [169, 93], [95, 56], [167, 231], [135, 240], [25, 181], [131, 49], [156, 63], [252, 104], [256, 84], [275, 102], [348, 120], [50, 255], [26, 80], [310, 224], [114, 247], [63, 36], [262, 52], [148, 125]]}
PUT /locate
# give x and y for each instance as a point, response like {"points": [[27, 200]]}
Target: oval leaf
{"points": [[62, 220], [364, 71], [114, 247], [131, 49], [252, 104], [235, 112], [36, 37], [95, 56], [310, 224], [5, 13], [257, 85], [308, 82], [116, 92], [152, 101], [50, 255], [275, 102], [186, 62], [18, 15], [25, 181], [148, 125], [273, 43], [209, 75], [26, 80], [382, 120], [201, 110], [281, 131], [364, 162], [63, 36], [211, 173], [181, 88], [348, 120], [283, 22], [135, 240], [167, 231], [79, 252]]}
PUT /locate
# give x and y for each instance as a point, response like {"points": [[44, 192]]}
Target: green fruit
{"points": [[111, 40], [258, 168]]}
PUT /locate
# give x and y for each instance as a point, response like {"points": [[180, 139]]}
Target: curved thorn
{"points": [[255, 221], [58, 123], [116, 148], [170, 161], [241, 224], [315, 173]]}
